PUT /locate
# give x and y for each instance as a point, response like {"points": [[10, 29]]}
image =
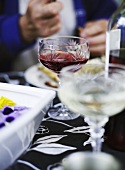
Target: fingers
{"points": [[45, 14], [50, 26], [52, 30], [51, 9], [96, 40], [97, 44], [49, 22], [39, 1], [95, 33], [46, 10], [94, 28], [41, 19]]}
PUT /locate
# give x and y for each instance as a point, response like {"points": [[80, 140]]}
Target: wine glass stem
{"points": [[64, 111], [97, 133]]}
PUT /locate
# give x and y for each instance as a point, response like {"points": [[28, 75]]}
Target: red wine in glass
{"points": [[58, 52], [58, 60]]}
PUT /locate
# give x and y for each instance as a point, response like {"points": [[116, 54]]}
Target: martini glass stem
{"points": [[96, 131], [96, 135]]}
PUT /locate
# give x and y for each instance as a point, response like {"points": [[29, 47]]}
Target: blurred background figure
{"points": [[27, 20], [20, 26]]}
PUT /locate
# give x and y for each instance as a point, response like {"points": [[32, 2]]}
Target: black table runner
{"points": [[53, 142]]}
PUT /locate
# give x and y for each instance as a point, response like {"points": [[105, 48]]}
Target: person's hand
{"points": [[42, 19], [95, 33]]}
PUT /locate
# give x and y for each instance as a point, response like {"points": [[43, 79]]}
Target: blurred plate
{"points": [[16, 137], [97, 60], [37, 78]]}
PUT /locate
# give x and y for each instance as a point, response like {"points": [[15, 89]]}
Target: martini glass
{"points": [[96, 92], [58, 52]]}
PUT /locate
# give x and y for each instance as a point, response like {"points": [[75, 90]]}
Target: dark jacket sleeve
{"points": [[11, 43], [10, 36], [99, 9]]}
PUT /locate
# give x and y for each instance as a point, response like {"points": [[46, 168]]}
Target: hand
{"points": [[95, 33], [41, 19]]}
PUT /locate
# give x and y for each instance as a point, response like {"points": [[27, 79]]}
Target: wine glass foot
{"points": [[60, 112]]}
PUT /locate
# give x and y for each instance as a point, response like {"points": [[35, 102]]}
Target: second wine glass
{"points": [[96, 93], [58, 52]]}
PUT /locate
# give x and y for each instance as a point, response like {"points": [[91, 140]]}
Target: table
{"points": [[53, 134], [53, 141]]}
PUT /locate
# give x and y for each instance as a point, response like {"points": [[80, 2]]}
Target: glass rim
{"points": [[63, 36]]}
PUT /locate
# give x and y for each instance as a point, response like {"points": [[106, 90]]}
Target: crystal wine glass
{"points": [[58, 52], [96, 92]]}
